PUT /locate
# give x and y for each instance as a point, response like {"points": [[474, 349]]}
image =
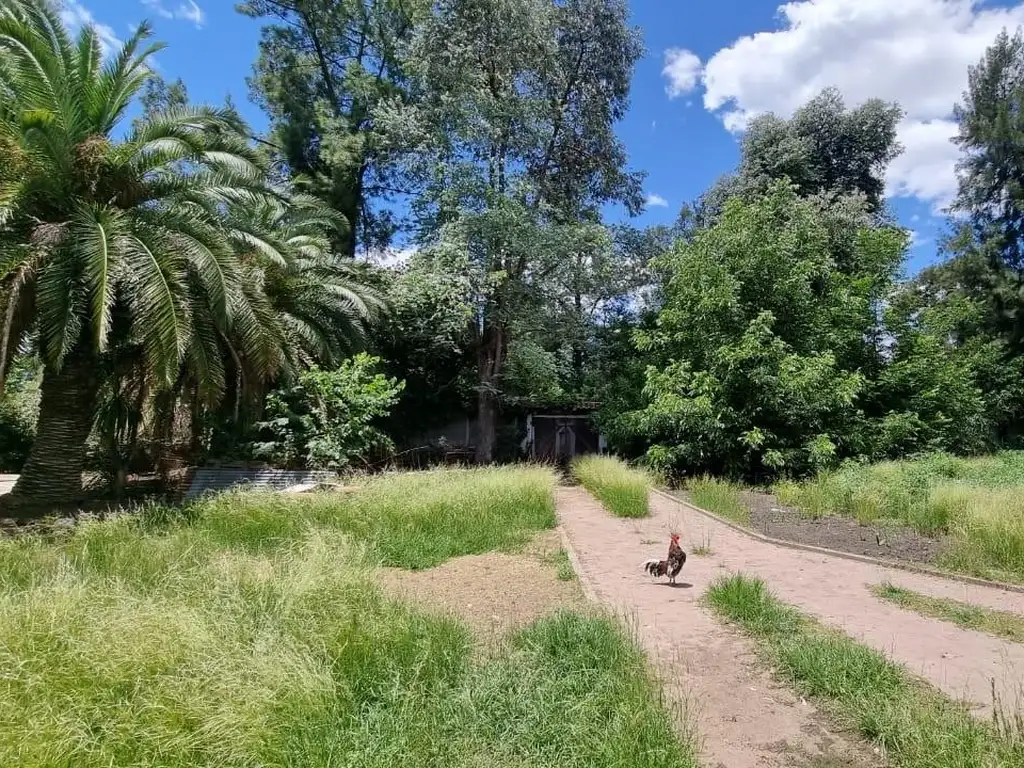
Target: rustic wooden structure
{"points": [[560, 434]]}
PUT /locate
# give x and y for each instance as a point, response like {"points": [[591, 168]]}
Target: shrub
{"points": [[328, 420]]}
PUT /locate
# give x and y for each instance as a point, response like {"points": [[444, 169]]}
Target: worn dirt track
{"points": [[744, 717]]}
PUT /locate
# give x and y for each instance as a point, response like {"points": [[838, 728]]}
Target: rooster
{"points": [[671, 566]]}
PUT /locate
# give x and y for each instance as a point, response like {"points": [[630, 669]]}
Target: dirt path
{"points": [[961, 662], [744, 719]]}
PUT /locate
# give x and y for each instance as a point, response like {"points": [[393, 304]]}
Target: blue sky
{"points": [[709, 67]]}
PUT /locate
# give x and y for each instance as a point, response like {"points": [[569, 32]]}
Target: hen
{"points": [[672, 565]]}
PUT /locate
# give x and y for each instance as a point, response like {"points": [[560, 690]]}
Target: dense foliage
{"points": [[157, 267], [763, 332], [328, 420], [181, 286], [787, 341]]}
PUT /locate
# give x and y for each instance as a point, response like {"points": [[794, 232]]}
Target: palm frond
{"points": [[154, 295], [95, 234], [121, 79], [205, 356], [61, 306]]}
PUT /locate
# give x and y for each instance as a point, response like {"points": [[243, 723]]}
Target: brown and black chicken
{"points": [[672, 565]]}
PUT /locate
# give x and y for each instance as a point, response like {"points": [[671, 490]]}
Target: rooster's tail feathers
{"points": [[651, 566]]}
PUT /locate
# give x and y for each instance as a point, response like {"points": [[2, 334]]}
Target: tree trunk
{"points": [[195, 442], [489, 363], [577, 343], [53, 473]]}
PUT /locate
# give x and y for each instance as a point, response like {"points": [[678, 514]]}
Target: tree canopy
{"points": [[421, 237]]}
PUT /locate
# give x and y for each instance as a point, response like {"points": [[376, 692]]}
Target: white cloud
{"points": [[682, 70], [657, 201], [158, 8], [185, 11], [75, 16], [915, 52], [917, 240], [391, 257], [192, 12]]}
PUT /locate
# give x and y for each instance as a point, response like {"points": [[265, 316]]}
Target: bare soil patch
{"points": [[842, 534], [494, 593]]}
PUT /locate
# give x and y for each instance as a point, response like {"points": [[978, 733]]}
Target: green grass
{"points": [[915, 725], [409, 520], [719, 496], [251, 632], [562, 565], [998, 623], [622, 489], [977, 502]]}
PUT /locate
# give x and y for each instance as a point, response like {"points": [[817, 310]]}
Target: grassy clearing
{"points": [[409, 520], [998, 623], [978, 502], [915, 725], [719, 496], [622, 489], [252, 633]]}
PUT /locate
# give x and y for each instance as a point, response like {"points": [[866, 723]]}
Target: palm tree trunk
{"points": [[53, 473]]}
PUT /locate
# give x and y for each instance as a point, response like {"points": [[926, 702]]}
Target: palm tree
{"points": [[304, 305], [104, 240], [322, 301]]}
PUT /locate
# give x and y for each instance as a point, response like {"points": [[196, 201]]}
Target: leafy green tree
{"points": [[323, 67], [763, 333], [160, 96], [952, 374], [509, 132], [426, 339], [824, 147], [328, 419], [991, 174]]}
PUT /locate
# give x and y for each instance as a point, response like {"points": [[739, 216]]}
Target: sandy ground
{"points": [[744, 718], [494, 593]]}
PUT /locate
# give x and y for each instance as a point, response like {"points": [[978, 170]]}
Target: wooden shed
{"points": [[560, 434]]}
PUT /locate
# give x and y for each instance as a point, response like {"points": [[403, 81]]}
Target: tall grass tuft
{"points": [[250, 632], [915, 725], [622, 489], [977, 502], [719, 496]]}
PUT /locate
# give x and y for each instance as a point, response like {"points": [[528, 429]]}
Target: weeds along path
{"points": [[744, 719], [962, 663]]}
